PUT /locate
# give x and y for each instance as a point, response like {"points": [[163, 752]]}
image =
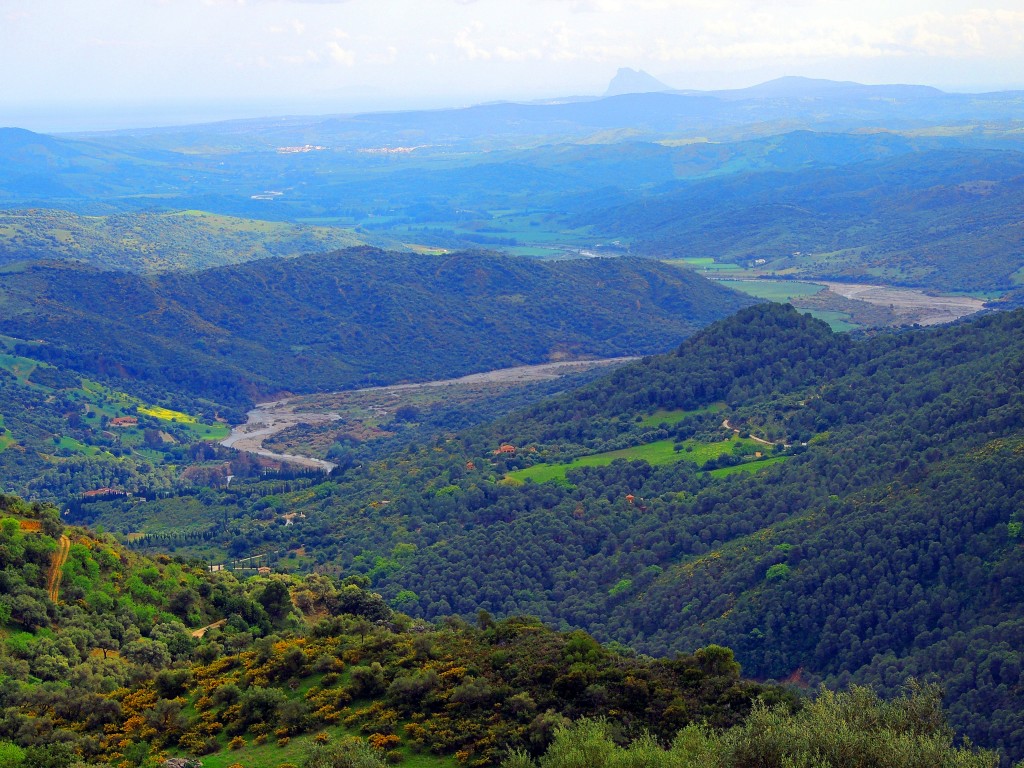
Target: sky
{"points": [[95, 64]]}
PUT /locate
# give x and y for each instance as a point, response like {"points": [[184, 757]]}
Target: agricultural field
{"points": [[783, 291], [705, 264], [659, 452], [838, 321], [674, 417], [747, 467]]}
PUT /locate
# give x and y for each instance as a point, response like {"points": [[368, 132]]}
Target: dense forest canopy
{"points": [[110, 658], [352, 318], [876, 536]]}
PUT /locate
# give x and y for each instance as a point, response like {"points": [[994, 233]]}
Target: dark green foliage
{"points": [[905, 220], [351, 318], [839, 730], [884, 547]]}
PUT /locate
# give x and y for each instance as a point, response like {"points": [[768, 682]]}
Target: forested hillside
{"points": [[111, 658], [875, 532], [352, 318], [906, 220], [63, 435], [158, 242]]}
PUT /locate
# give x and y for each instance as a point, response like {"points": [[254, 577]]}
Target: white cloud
{"points": [[341, 55]]}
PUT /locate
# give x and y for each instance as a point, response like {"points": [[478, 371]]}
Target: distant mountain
{"points": [[628, 80], [351, 318], [808, 87], [772, 107], [822, 204]]}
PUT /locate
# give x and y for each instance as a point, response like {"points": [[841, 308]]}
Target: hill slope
{"points": [[275, 659], [882, 537], [158, 242], [356, 317]]}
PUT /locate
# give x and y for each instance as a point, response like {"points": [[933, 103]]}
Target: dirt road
{"points": [[203, 630], [56, 568], [727, 425]]}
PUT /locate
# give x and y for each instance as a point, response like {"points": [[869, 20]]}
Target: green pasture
{"points": [[659, 452], [76, 446], [782, 291], [21, 367], [704, 264], [748, 467], [674, 417], [839, 321]]}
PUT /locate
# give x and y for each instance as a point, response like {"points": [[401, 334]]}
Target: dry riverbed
{"points": [[269, 419], [908, 304]]}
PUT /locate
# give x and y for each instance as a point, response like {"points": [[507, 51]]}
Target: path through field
{"points": [[57, 568], [755, 438]]}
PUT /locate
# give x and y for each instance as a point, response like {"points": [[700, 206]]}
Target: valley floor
{"points": [[271, 418]]}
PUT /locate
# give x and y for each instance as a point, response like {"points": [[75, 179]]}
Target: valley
{"points": [[676, 428], [899, 306], [371, 405]]}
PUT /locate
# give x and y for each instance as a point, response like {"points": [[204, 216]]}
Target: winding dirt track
{"points": [[56, 568], [725, 423], [203, 630]]}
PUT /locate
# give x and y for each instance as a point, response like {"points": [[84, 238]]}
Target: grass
{"points": [[21, 367], [704, 264], [749, 467], [774, 290], [216, 431], [674, 417], [76, 446], [838, 321], [270, 755], [659, 452]]}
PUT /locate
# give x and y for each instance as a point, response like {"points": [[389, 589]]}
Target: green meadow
{"points": [[704, 264], [674, 417], [748, 467], [839, 321], [659, 452], [782, 291]]}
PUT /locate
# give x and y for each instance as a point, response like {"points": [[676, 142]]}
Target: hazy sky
{"points": [[107, 63]]}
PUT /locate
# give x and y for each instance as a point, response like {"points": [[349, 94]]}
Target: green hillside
{"points": [[877, 535], [352, 318], [158, 242], [109, 658], [65, 435], [906, 220]]}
